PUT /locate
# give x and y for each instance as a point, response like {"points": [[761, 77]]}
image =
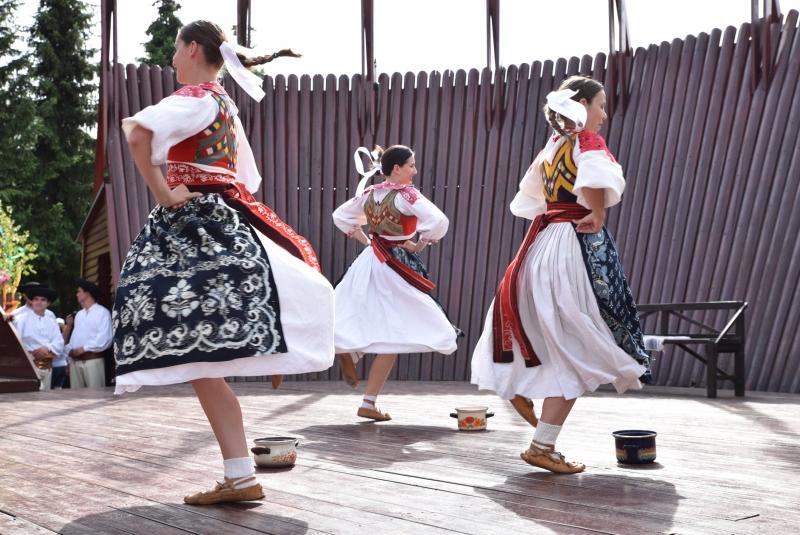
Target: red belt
{"points": [[506, 321], [381, 246]]}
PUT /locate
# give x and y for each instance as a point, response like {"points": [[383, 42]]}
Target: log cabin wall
{"points": [[95, 239], [712, 171]]}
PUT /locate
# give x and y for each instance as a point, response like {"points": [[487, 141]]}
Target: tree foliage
{"points": [[19, 181], [65, 101], [161, 46], [16, 254]]}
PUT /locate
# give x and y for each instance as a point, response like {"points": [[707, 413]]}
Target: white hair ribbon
{"points": [[360, 168], [246, 79], [561, 102]]}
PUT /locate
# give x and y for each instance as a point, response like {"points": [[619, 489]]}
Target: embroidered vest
{"points": [[384, 219], [559, 176], [214, 146]]}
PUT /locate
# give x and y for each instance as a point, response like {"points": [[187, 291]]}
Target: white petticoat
{"points": [[560, 315], [379, 312], [306, 303]]}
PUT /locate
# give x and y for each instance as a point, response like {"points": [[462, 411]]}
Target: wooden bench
{"points": [[729, 340]]}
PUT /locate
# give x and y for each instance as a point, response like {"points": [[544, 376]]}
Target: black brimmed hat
{"points": [[22, 288], [40, 290], [90, 287]]}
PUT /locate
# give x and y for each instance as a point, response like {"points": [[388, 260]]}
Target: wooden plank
{"points": [[125, 462]]}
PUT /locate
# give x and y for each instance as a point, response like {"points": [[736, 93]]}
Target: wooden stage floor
{"points": [[90, 462]]}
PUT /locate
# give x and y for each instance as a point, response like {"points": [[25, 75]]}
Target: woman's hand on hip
{"points": [[592, 223], [179, 197]]}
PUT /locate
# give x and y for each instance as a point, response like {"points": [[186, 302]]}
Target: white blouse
{"points": [[178, 117], [432, 224], [596, 169]]}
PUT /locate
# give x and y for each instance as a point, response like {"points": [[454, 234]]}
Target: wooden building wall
{"points": [[711, 164], [96, 248]]}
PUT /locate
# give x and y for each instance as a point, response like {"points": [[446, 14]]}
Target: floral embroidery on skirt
{"points": [[196, 286], [614, 297]]}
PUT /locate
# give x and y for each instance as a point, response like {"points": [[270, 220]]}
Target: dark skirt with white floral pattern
{"points": [[196, 286]]}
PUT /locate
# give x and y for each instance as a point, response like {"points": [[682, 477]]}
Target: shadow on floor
{"points": [[608, 503], [225, 518]]}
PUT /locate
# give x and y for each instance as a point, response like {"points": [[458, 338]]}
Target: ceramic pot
{"points": [[471, 418], [635, 446], [275, 451]]}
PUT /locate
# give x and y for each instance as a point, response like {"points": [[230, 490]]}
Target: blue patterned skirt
{"points": [[614, 297]]}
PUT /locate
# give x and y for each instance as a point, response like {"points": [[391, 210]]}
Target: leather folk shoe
{"points": [[227, 492], [373, 414], [549, 459], [349, 372], [276, 381], [524, 407]]}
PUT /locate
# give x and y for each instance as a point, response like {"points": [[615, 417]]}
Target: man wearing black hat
{"points": [[91, 335], [39, 333], [27, 307]]}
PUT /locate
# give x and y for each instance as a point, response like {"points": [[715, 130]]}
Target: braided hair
{"points": [[210, 36], [586, 87]]}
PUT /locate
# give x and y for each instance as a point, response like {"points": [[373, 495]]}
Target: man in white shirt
{"points": [[40, 334], [91, 335]]}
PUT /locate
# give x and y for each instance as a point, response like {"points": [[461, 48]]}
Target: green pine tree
{"points": [[161, 46], [19, 181], [66, 109]]}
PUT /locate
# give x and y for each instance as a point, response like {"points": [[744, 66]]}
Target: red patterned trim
{"points": [[199, 91], [592, 141], [183, 173], [506, 321], [426, 240]]}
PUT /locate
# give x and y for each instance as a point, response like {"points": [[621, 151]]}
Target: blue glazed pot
{"points": [[635, 446]]}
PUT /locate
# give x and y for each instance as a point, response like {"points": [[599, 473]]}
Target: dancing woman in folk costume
{"points": [[383, 301], [563, 319], [215, 285]]}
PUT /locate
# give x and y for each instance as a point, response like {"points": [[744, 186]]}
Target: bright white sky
{"points": [[425, 35]]}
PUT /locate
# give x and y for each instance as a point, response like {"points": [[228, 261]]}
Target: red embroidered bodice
{"points": [[215, 146]]}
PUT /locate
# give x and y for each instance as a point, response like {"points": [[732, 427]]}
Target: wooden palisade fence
{"points": [[710, 212]]}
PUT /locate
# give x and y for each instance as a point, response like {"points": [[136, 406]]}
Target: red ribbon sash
{"points": [[381, 246], [506, 321]]}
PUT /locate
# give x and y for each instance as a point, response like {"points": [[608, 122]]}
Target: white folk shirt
{"points": [[26, 308], [38, 331], [92, 330]]}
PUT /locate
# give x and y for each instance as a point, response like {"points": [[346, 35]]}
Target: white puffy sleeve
{"points": [[172, 120], [432, 224], [246, 170], [529, 202], [597, 169], [350, 216]]}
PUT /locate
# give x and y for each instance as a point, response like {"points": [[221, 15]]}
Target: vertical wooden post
{"points": [[618, 57], [243, 23], [761, 40], [493, 33], [493, 43], [108, 12], [367, 112]]}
